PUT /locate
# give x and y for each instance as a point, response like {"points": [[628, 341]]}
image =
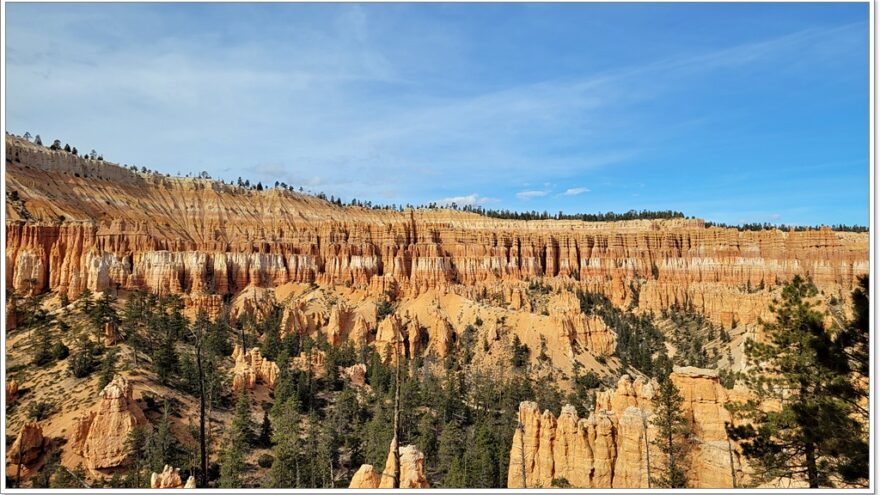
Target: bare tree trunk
{"points": [[732, 468], [332, 480], [647, 448], [522, 450], [203, 450], [395, 443]]}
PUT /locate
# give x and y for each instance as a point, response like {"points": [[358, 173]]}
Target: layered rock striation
{"points": [[74, 223]]}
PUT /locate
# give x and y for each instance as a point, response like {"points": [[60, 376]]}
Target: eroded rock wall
{"points": [[86, 224]]}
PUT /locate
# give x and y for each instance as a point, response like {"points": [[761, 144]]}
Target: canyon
{"points": [[411, 283]]}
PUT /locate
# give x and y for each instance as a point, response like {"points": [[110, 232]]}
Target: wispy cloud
{"points": [[359, 99], [526, 195], [574, 191], [469, 200]]}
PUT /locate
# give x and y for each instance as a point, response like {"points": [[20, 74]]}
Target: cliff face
{"points": [[612, 448], [74, 224]]}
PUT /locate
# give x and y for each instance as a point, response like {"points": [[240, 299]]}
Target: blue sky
{"points": [[730, 112]]}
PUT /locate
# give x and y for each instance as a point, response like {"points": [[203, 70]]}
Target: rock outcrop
{"points": [[28, 448], [170, 478], [250, 367], [100, 435], [612, 448], [412, 471], [365, 477], [356, 374], [11, 391]]}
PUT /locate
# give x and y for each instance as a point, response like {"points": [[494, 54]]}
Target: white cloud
{"points": [[526, 195], [469, 200], [574, 191]]}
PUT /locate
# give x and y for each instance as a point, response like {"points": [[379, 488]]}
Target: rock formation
{"points": [[576, 327], [612, 447], [170, 478], [100, 435], [365, 477], [356, 374], [315, 361], [27, 449], [88, 224], [251, 366], [111, 334], [412, 471], [11, 391]]}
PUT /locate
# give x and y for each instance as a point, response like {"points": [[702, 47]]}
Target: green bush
{"points": [[39, 410], [60, 351], [265, 461]]}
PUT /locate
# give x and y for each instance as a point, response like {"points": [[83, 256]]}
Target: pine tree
{"points": [[450, 450], [800, 368], [673, 432], [850, 358], [265, 438], [238, 443], [242, 428], [108, 369], [163, 446], [288, 446], [85, 301]]}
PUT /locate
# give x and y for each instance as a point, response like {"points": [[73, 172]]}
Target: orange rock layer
{"points": [[80, 224]]}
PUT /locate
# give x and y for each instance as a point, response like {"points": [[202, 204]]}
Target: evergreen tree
{"points": [[136, 445], [851, 357], [285, 471], [673, 432], [85, 301], [43, 348], [108, 369], [450, 451], [265, 438], [800, 368], [242, 428], [163, 446]]}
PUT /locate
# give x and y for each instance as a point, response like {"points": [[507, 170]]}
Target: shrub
{"points": [[59, 351], [39, 410], [265, 461]]}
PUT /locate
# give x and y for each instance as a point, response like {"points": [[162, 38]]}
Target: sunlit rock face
{"points": [[89, 224], [613, 447], [100, 435], [412, 471]]}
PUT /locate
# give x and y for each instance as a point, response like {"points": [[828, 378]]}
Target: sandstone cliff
{"points": [[612, 447], [88, 224]]}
